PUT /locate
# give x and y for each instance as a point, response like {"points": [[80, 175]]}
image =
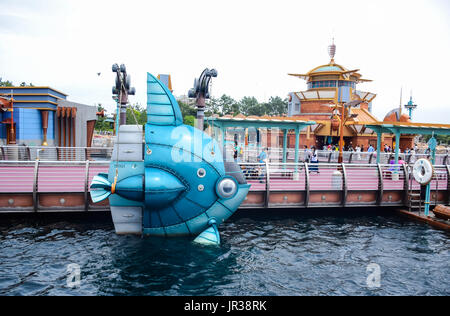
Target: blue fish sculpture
{"points": [[174, 184]]}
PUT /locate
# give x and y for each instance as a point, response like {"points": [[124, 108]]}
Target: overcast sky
{"points": [[252, 44]]}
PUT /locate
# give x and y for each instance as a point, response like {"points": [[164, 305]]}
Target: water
{"points": [[275, 254]]}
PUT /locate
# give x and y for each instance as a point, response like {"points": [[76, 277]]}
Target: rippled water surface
{"points": [[274, 254]]}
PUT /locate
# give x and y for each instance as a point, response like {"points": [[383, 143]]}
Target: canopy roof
{"points": [[410, 128], [259, 121], [332, 69]]}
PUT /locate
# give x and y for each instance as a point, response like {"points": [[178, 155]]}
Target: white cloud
{"points": [[252, 44]]}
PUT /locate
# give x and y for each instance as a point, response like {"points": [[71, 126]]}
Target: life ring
{"points": [[423, 171]]}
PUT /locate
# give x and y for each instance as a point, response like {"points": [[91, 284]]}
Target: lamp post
{"points": [[344, 118], [201, 92]]}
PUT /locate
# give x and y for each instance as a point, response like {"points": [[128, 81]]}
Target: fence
{"points": [[274, 184], [43, 153]]}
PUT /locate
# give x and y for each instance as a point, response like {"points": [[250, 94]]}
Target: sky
{"points": [[252, 44]]}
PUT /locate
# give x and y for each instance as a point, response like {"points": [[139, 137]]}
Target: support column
{"points": [[397, 145], [222, 141], [285, 133], [58, 118], [44, 116], [297, 143], [379, 134]]}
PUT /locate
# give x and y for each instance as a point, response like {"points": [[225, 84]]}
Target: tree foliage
{"points": [[247, 106], [7, 83]]}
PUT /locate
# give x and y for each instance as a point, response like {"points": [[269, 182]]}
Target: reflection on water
{"points": [[275, 254]]}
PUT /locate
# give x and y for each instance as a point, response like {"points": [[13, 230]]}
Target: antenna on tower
{"points": [[332, 51], [400, 104]]}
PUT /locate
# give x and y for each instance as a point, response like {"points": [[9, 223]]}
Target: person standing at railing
{"points": [[358, 152], [314, 163], [307, 154], [262, 158], [236, 151]]}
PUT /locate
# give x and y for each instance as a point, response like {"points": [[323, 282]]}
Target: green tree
{"points": [[140, 114], [251, 106], [189, 120], [6, 83], [276, 106], [187, 109]]}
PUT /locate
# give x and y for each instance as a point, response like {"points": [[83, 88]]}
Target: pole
{"points": [[341, 136], [200, 111], [12, 134], [432, 143], [379, 134], [285, 133]]}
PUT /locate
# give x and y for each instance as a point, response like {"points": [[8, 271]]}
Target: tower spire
{"points": [[332, 51]]}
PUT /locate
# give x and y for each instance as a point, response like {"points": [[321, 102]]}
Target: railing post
{"points": [[57, 154], [267, 184], [307, 185], [380, 185], [406, 183], [85, 153], [344, 185], [329, 156], [86, 187], [350, 158], [370, 157], [29, 153], [3, 153], [448, 184], [444, 162], [35, 185]]}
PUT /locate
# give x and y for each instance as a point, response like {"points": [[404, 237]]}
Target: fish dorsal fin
{"points": [[162, 108]]}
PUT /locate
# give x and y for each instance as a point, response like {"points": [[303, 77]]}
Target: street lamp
{"points": [[343, 119]]}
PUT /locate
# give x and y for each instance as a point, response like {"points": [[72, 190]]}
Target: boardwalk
{"points": [[273, 185]]}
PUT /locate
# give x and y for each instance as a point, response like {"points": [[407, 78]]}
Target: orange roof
{"points": [[363, 117]]}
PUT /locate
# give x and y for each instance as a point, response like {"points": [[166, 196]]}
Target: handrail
{"points": [[380, 184], [406, 183], [344, 185], [267, 184], [86, 187], [35, 185], [307, 186], [448, 183]]}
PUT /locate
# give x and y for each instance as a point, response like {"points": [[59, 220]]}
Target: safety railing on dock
{"points": [[275, 154], [45, 153], [331, 184], [33, 186]]}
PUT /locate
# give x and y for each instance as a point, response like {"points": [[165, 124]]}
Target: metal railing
{"points": [[383, 181], [57, 177], [344, 178], [44, 153], [275, 154]]}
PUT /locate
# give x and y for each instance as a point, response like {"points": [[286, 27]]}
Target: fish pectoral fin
{"points": [[99, 195], [100, 182], [100, 188], [209, 236]]}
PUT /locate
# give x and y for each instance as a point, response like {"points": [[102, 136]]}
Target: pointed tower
{"points": [[410, 106]]}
